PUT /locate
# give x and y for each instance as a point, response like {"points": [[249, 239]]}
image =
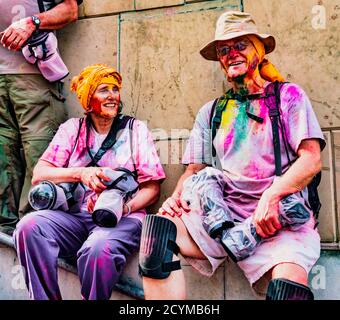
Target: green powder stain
{"points": [[239, 123]]}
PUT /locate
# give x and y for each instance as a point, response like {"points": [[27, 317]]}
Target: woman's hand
{"points": [[92, 177], [266, 217], [91, 201], [173, 206]]}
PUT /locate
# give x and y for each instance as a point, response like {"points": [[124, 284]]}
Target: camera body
{"points": [[241, 240], [47, 195], [122, 186], [69, 197]]}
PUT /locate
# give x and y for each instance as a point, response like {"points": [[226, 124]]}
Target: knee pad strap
{"points": [[158, 244], [283, 289]]}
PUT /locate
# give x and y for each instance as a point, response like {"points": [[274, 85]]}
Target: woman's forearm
{"points": [[147, 195], [45, 171]]}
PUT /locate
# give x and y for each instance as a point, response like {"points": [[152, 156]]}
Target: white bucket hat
{"points": [[233, 24]]}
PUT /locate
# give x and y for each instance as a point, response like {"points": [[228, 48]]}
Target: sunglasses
{"points": [[239, 46]]}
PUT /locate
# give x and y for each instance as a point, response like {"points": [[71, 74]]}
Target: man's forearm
{"points": [[297, 177], [59, 16], [190, 170]]}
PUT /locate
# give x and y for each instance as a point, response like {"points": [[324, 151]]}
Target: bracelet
{"points": [[129, 208]]}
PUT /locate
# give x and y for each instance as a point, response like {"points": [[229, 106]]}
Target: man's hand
{"points": [[266, 217], [14, 37], [92, 177], [174, 206]]}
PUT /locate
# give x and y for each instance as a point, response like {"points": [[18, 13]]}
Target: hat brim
{"points": [[209, 51]]}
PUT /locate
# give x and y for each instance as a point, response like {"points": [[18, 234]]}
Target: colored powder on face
{"points": [[96, 104], [253, 61]]}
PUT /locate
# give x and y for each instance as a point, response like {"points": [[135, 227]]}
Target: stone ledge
{"points": [[227, 283]]}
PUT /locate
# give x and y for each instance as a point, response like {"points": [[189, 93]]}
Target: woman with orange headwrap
{"points": [[82, 154]]}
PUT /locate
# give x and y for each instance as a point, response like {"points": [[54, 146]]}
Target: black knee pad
{"points": [[157, 248], [283, 289]]}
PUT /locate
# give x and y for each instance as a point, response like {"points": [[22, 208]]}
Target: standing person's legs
{"points": [[11, 167], [172, 287], [102, 257], [39, 114], [40, 238]]}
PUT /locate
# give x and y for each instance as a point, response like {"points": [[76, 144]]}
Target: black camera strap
{"points": [[119, 123], [274, 114]]}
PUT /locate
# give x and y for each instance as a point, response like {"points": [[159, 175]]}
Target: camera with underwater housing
{"points": [[69, 197]]}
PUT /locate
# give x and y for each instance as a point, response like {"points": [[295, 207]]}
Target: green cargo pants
{"points": [[31, 111]]}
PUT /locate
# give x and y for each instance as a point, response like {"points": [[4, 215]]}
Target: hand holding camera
{"points": [[95, 178], [241, 240], [117, 185]]}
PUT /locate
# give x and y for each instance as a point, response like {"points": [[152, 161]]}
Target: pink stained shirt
{"points": [[245, 147], [144, 153]]}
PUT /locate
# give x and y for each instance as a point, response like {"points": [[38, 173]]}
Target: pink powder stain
{"points": [[229, 138], [160, 171], [293, 94], [253, 170], [55, 149], [101, 261], [263, 111], [30, 223]]}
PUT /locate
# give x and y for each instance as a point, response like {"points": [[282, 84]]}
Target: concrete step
{"points": [[228, 282]]}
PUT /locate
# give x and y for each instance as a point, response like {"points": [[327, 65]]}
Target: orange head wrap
{"points": [[266, 68], [86, 83]]}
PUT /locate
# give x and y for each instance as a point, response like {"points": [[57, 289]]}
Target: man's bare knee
{"points": [[290, 271], [186, 244]]}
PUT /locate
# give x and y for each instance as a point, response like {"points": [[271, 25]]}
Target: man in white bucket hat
{"points": [[31, 107], [247, 114]]}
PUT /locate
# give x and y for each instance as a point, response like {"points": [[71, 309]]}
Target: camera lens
{"points": [[42, 196], [104, 218]]}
